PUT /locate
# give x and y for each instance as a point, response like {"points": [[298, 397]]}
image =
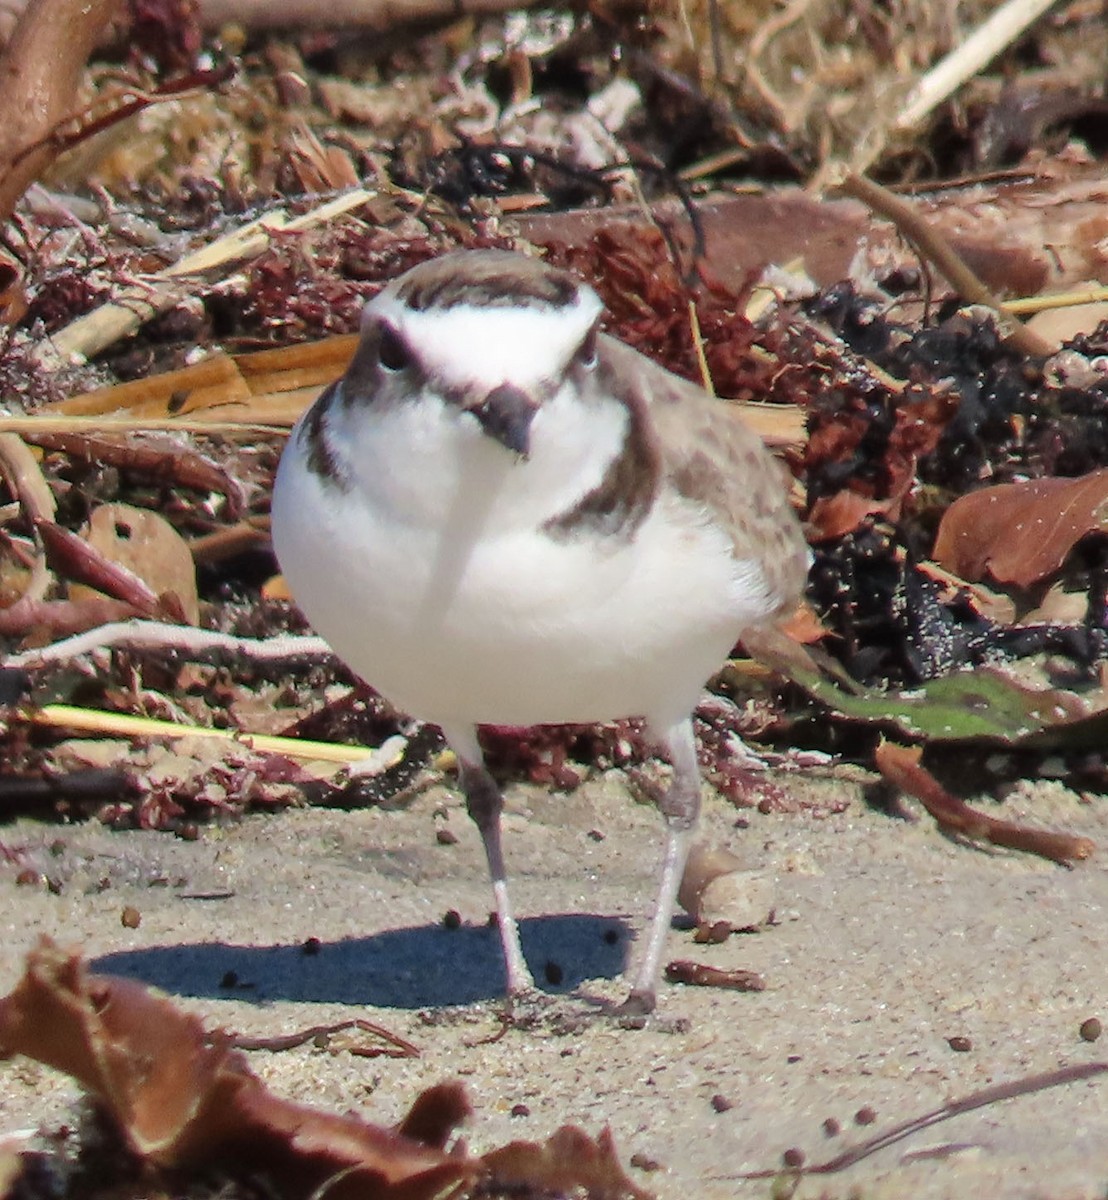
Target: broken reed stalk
{"points": [[95, 331], [937, 250]]}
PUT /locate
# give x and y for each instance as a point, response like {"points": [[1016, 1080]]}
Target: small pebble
{"points": [[831, 1127], [311, 947], [446, 837], [959, 1043], [1090, 1029], [721, 1104], [644, 1162], [28, 877], [130, 918], [793, 1157], [451, 919], [520, 1110], [188, 832], [865, 1115], [596, 835]]}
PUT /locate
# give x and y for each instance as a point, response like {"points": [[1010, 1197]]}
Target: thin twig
{"points": [[396, 1046], [954, 1108], [698, 350], [939, 251]]}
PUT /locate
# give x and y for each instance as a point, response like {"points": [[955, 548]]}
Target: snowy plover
{"points": [[500, 515]]}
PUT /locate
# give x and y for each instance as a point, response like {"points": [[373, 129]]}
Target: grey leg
{"points": [[680, 807], [485, 804]]}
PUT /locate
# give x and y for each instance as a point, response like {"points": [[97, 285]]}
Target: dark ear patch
{"points": [[313, 435], [586, 354], [619, 504]]}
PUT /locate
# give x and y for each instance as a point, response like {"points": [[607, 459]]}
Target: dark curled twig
{"points": [[953, 1108], [395, 1045], [80, 126], [599, 179]]}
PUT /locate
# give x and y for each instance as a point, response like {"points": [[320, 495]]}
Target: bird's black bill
{"points": [[506, 414]]}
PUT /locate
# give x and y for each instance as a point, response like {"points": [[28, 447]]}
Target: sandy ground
{"points": [[890, 939]]}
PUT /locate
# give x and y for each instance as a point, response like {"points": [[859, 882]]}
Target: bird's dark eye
{"points": [[392, 352], [586, 352]]}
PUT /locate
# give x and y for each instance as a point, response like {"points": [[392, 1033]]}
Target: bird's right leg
{"points": [[484, 804]]}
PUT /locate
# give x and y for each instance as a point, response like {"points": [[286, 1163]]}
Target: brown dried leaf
{"points": [[836, 516], [150, 548], [568, 1160], [182, 1097], [1021, 532]]}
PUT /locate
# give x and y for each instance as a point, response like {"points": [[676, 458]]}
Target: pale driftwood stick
{"points": [[359, 14], [39, 79], [367, 15], [181, 638], [1005, 25], [136, 424], [98, 329]]}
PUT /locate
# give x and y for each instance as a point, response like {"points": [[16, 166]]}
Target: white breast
{"points": [[432, 578]]}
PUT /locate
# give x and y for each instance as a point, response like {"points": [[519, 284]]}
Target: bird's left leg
{"points": [[680, 806]]}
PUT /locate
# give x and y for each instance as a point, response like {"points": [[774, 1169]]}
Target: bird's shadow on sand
{"points": [[419, 967]]}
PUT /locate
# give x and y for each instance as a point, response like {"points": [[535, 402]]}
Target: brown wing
{"points": [[713, 459]]}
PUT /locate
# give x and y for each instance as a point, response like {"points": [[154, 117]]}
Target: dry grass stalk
{"points": [[85, 720], [1001, 29]]}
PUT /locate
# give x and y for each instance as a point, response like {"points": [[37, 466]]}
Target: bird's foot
{"points": [[563, 1016], [639, 1011]]}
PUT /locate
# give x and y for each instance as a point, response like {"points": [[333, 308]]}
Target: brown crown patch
{"points": [[488, 279]]}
